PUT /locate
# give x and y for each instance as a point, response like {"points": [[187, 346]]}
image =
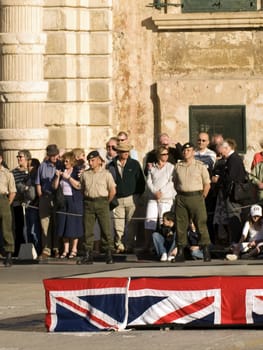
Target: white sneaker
{"points": [[164, 257], [231, 257], [170, 258]]}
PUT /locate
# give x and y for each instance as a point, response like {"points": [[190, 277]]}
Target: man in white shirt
{"points": [[203, 153]]}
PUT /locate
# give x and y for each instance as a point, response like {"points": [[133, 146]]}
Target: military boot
{"points": [[8, 260], [87, 259], [206, 252], [109, 258], [180, 254]]}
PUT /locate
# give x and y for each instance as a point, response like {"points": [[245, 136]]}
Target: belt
{"points": [[190, 194], [3, 195], [90, 199]]}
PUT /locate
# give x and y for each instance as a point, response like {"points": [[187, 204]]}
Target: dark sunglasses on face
{"points": [[20, 157], [200, 140]]}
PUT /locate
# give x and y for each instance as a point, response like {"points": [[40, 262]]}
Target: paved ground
{"points": [[22, 308]]}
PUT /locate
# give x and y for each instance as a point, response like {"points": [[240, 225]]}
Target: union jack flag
{"points": [[95, 304], [166, 301], [86, 304], [254, 306]]}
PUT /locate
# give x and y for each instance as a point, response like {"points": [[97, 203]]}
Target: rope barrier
{"points": [[27, 205]]}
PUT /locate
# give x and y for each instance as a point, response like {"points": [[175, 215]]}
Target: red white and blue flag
{"points": [[95, 304], [86, 304]]}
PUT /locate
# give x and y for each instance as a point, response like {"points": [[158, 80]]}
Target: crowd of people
{"points": [[70, 205]]}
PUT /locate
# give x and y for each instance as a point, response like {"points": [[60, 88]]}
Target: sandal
{"points": [[63, 255], [72, 255]]}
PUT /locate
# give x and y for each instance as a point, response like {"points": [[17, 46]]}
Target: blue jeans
{"points": [[33, 228], [161, 245]]}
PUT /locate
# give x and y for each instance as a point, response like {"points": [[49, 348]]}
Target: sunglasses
{"points": [[113, 147], [164, 154], [200, 140], [20, 156]]}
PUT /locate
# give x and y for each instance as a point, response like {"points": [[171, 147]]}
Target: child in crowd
{"points": [[251, 241], [193, 238], [164, 239]]}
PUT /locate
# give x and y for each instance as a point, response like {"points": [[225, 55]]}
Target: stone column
{"points": [[22, 88]]}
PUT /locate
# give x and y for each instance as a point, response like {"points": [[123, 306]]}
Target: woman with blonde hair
{"points": [[70, 215]]}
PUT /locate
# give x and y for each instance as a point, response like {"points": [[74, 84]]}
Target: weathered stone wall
{"points": [[133, 62], [211, 68], [76, 72], [189, 66]]}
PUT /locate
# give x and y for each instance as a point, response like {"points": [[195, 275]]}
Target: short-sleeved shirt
{"points": [[45, 175], [191, 177], [97, 184], [7, 181]]}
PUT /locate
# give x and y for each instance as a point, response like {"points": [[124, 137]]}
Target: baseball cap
{"points": [[256, 210]]}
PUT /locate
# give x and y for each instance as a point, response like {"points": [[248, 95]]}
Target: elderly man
{"points": [[229, 213], [130, 182], [99, 189], [7, 195], [192, 184], [109, 152]]}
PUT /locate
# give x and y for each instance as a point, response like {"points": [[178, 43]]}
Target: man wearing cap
{"points": [[45, 175], [130, 182], [99, 189], [7, 195], [192, 184]]}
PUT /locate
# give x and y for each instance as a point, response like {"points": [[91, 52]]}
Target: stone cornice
{"points": [[79, 3], [23, 3], [206, 21]]}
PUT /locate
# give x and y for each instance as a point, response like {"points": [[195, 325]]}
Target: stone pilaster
{"points": [[22, 88], [78, 67]]}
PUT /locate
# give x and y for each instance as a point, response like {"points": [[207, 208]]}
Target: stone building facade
{"points": [[75, 72]]}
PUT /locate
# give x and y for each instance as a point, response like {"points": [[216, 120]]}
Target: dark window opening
{"points": [[218, 5], [230, 121]]}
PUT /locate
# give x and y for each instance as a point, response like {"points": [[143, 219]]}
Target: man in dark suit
{"points": [[234, 172]]}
